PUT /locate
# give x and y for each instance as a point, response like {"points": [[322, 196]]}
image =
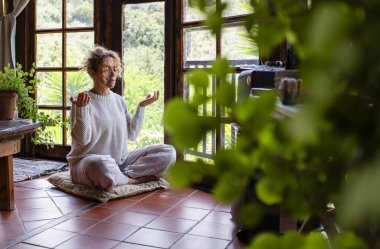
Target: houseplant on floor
{"points": [[23, 83]]}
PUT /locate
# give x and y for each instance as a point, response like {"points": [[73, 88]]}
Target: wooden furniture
{"points": [[11, 132]]}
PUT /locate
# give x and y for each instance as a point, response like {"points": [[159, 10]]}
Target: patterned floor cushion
{"points": [[63, 181]]}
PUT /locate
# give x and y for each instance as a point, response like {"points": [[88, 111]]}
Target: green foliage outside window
{"points": [[328, 152], [144, 67]]}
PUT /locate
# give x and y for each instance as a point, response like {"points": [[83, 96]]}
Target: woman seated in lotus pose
{"points": [[101, 127]]}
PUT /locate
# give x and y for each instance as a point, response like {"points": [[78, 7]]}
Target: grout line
{"points": [[91, 205], [135, 244], [33, 187], [187, 233], [52, 199], [47, 226], [161, 215], [197, 221], [177, 205]]}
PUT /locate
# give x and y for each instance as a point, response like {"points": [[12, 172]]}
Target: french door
{"points": [[142, 32]]}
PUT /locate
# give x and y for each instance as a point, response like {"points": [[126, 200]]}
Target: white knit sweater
{"points": [[103, 127]]}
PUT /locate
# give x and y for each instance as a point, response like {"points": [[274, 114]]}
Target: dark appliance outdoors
{"points": [[256, 77], [260, 76]]}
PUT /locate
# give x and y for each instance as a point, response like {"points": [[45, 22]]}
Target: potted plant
{"points": [[22, 83], [8, 103]]}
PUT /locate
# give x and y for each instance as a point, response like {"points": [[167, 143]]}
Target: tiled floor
{"points": [[49, 218]]}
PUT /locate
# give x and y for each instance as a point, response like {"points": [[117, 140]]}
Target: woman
{"points": [[101, 127]]}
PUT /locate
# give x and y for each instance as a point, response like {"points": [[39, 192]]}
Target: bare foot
{"points": [[142, 179]]}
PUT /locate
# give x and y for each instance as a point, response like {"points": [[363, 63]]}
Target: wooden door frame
{"points": [[109, 34]]}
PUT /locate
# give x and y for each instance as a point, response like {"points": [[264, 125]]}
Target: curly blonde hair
{"points": [[95, 59]]}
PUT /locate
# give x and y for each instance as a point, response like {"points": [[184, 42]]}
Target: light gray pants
{"points": [[102, 170]]}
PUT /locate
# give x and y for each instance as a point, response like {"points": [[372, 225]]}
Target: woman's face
{"points": [[106, 75]]}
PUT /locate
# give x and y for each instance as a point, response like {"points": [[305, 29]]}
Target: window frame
{"points": [[108, 33], [26, 47], [217, 134]]}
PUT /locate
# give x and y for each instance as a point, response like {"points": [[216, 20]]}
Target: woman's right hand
{"points": [[82, 100]]}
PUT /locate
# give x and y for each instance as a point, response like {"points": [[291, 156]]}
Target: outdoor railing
{"points": [[207, 147]]}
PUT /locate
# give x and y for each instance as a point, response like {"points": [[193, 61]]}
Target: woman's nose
{"points": [[112, 72]]}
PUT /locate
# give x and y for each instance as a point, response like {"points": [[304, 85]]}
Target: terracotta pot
{"points": [[8, 101]]}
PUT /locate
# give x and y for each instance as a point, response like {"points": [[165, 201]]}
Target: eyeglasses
{"points": [[108, 70]]}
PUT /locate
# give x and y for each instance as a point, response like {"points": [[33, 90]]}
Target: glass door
{"points": [[143, 62], [200, 48]]}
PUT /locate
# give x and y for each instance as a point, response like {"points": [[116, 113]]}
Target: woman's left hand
{"points": [[150, 99]]}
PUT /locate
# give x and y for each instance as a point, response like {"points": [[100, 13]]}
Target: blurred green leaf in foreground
{"points": [[328, 152]]}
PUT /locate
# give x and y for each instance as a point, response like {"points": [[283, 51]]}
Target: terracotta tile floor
{"points": [[49, 218]]}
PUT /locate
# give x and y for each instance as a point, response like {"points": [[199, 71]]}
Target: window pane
{"points": [[56, 131], [78, 44], [231, 134], [68, 136], [208, 108], [199, 48], [205, 148], [190, 157], [191, 13], [49, 89], [48, 14], [49, 50], [80, 13], [234, 79], [237, 7], [143, 49], [237, 46], [77, 82]]}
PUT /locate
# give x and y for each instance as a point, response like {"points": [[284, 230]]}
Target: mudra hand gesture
{"points": [[150, 99], [82, 100]]}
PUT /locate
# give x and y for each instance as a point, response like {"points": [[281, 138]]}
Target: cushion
{"points": [[62, 180]]}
